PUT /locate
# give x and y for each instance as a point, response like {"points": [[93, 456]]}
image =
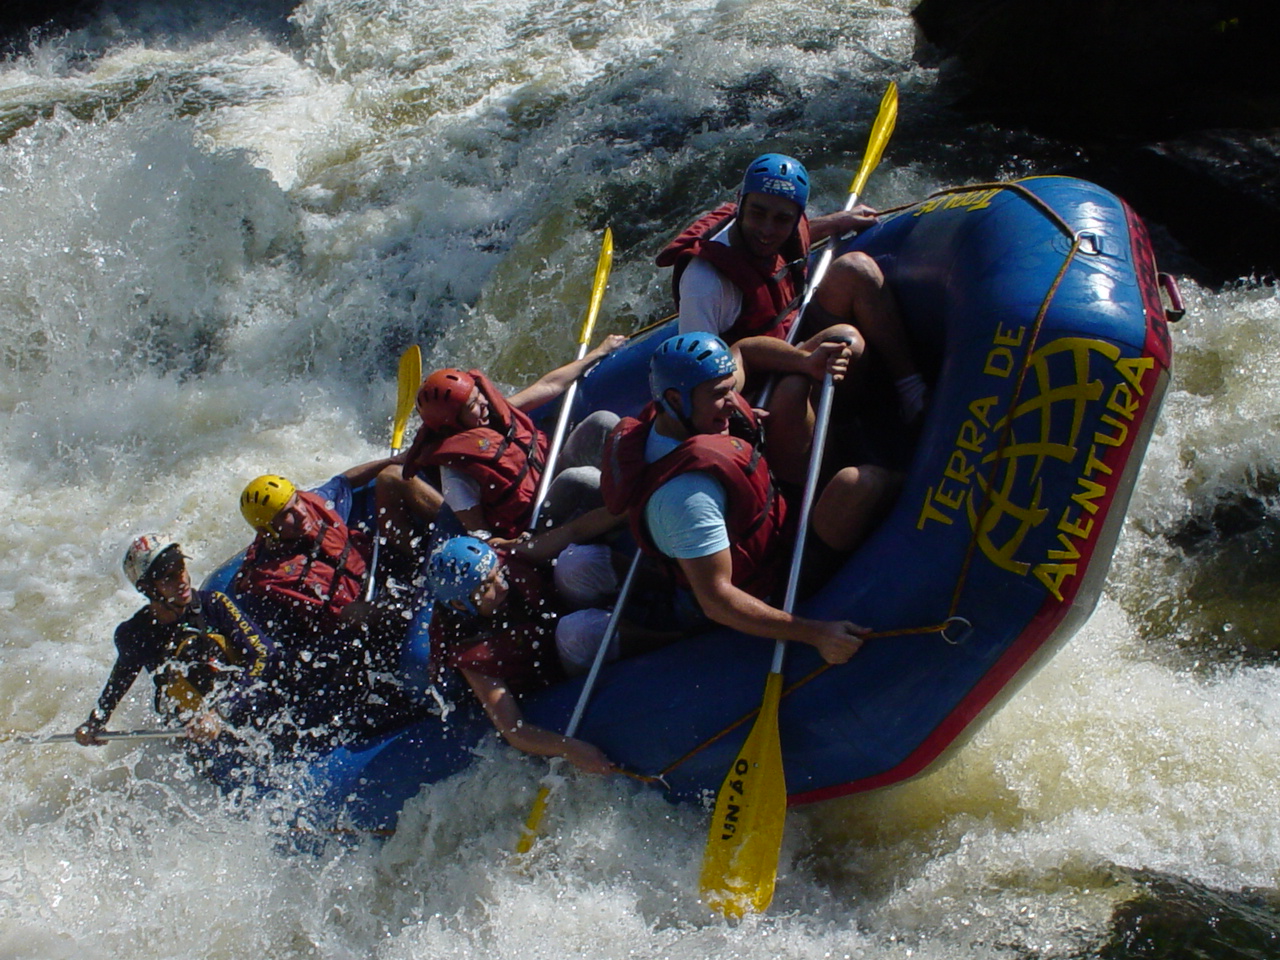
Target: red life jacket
{"points": [[320, 575], [517, 645], [771, 292], [755, 512], [505, 458]]}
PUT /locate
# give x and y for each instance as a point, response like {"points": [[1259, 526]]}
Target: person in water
{"points": [[739, 272], [692, 478], [503, 625], [490, 455], [211, 666]]}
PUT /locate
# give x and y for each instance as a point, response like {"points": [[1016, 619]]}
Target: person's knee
{"points": [[852, 281], [584, 574], [574, 491], [839, 331], [603, 420], [852, 503], [574, 481], [857, 270], [578, 638]]}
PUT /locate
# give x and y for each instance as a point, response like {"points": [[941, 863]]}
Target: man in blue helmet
{"points": [[698, 491], [740, 274], [501, 622]]}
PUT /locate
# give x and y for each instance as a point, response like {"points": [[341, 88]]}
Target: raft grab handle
{"points": [[1175, 311], [1089, 243], [966, 629]]}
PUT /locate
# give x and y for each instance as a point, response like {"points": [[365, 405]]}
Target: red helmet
{"points": [[443, 396]]}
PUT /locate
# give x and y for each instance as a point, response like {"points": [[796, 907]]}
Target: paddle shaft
{"points": [[740, 865], [881, 130], [534, 820], [823, 419], [101, 735], [615, 621], [603, 265], [408, 377]]}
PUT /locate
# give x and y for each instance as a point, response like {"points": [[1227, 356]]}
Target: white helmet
{"points": [[142, 553]]}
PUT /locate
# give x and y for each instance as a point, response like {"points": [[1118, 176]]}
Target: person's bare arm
{"points": [[841, 222], [773, 355], [472, 520], [548, 544], [711, 578], [503, 710], [551, 385], [364, 473]]}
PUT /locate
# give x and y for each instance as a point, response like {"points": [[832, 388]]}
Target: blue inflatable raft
{"points": [[1036, 309]]}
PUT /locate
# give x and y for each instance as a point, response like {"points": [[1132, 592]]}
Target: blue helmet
{"points": [[683, 362], [457, 568], [779, 175]]}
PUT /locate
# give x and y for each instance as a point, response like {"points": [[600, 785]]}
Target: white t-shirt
{"points": [[709, 301], [459, 490]]}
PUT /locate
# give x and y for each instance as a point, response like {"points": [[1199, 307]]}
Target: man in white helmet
{"points": [[210, 664]]}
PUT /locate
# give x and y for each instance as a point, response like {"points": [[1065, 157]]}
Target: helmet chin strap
{"points": [[678, 412]]}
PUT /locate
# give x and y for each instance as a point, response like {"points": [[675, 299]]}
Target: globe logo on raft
{"points": [[1079, 408]]}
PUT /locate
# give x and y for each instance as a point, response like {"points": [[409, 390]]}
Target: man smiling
{"points": [[693, 480], [739, 272]]}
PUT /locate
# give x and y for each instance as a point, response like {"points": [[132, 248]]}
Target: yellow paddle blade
{"points": [[881, 130], [410, 379], [603, 265], [741, 860], [530, 832]]}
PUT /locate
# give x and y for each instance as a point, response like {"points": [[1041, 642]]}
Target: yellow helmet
{"points": [[263, 498]]}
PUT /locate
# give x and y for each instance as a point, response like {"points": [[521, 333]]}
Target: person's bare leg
{"points": [[789, 426], [852, 504], [788, 429], [854, 289], [404, 507]]}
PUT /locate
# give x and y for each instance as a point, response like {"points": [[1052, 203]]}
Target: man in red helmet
{"points": [[490, 455]]}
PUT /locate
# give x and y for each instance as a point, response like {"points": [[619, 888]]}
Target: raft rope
{"points": [[952, 619]]}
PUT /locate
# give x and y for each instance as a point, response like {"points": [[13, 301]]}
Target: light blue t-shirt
{"points": [[685, 515]]}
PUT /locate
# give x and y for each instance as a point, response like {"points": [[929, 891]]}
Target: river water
{"points": [[220, 226]]}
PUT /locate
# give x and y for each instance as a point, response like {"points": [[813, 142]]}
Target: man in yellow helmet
{"points": [[305, 558], [304, 578]]}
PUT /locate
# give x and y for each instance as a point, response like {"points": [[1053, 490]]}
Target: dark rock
{"points": [[1155, 68], [18, 18], [1172, 918], [1174, 104]]}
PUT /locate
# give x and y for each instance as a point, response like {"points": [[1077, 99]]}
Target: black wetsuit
{"points": [[144, 643]]}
